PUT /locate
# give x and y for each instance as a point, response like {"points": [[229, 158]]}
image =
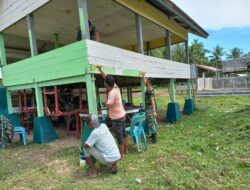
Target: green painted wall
{"points": [[64, 62]]}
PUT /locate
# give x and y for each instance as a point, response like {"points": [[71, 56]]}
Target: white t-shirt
{"points": [[103, 140]]}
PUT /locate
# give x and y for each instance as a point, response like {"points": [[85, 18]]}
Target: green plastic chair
{"points": [[136, 130]]}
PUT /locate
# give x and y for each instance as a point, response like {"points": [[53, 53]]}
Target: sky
{"points": [[226, 21]]}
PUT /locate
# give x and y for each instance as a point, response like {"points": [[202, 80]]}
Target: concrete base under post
{"points": [[189, 107], [173, 112], [44, 131], [3, 101]]}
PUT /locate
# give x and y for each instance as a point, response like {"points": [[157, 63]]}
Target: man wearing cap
{"points": [[151, 108], [101, 145], [116, 111]]}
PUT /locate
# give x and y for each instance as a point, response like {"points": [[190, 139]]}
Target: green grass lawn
{"points": [[207, 150]]}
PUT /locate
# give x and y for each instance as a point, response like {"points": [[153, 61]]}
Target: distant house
{"points": [[236, 65]]}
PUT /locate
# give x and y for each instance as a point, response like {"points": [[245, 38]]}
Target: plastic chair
{"points": [[147, 129], [18, 128], [136, 130]]}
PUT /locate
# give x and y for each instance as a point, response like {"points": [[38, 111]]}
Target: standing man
{"points": [[93, 33], [116, 111], [101, 145], [6, 131], [150, 106]]}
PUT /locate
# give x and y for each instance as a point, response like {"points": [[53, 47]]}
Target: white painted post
{"points": [[3, 59], [32, 35], [83, 17]]}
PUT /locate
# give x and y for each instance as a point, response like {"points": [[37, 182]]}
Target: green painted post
{"points": [[172, 90], [56, 40], [83, 17], [143, 90], [2, 50], [33, 47], [39, 101], [91, 93], [9, 102], [32, 36]]}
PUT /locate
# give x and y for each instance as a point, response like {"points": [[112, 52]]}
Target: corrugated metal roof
{"points": [[209, 68], [179, 16]]}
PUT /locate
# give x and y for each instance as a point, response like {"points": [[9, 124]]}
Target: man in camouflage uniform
{"points": [[6, 131], [151, 108]]}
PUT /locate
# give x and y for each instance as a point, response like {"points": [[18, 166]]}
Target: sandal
{"points": [[92, 174], [114, 168]]}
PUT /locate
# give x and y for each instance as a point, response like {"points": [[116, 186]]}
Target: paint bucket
{"points": [[82, 160]]}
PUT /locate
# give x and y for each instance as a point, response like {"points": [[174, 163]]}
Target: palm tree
{"points": [[197, 52], [159, 52], [217, 54], [235, 53], [247, 54], [178, 53]]}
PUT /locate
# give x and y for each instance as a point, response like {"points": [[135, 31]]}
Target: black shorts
{"points": [[118, 126]]}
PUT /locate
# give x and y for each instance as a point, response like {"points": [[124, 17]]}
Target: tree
{"points": [[217, 55], [178, 53], [235, 53], [247, 54], [159, 52], [197, 53]]}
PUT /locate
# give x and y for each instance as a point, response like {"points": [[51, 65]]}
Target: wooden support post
{"points": [[80, 98], [139, 34], [56, 99], [172, 90], [169, 57], [98, 97], [91, 93], [189, 89], [83, 17], [56, 40], [9, 102], [2, 51], [32, 35], [129, 94], [140, 50], [168, 45], [39, 101], [189, 82], [186, 52]]}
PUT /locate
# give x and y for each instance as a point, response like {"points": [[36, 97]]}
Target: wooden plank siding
{"points": [[126, 63], [65, 62], [12, 11], [71, 63]]}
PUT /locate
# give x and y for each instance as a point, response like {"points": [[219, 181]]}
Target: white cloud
{"points": [[217, 14]]}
